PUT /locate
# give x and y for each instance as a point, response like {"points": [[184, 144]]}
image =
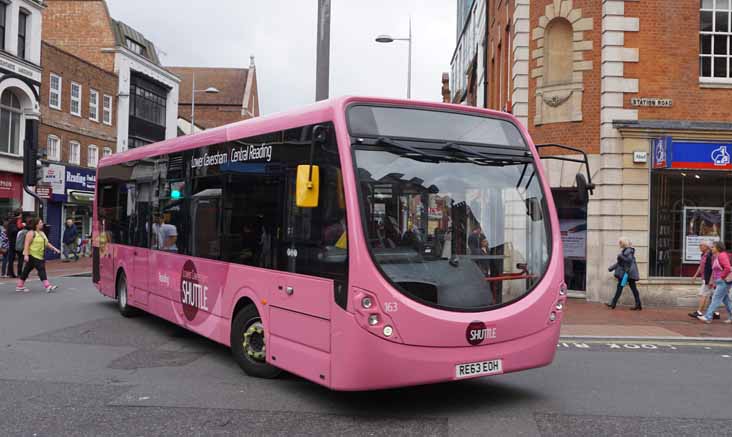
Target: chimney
{"points": [[251, 61], [446, 87]]}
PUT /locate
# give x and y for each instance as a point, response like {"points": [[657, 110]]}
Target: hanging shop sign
{"points": [[668, 153], [701, 224], [54, 175]]}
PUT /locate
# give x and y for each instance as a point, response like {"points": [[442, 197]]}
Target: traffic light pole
{"points": [[30, 159]]}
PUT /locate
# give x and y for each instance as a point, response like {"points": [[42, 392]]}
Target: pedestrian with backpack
{"points": [[4, 248], [12, 235], [34, 251], [19, 245], [626, 272]]}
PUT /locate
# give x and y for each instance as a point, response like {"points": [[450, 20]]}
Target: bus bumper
{"points": [[363, 361]]}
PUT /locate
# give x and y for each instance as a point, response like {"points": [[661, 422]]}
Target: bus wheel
{"points": [[248, 344], [124, 308]]}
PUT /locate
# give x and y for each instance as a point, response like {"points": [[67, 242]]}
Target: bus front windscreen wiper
{"points": [[410, 151], [488, 158]]}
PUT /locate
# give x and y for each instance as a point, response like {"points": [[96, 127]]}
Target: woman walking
{"points": [[720, 274], [626, 271], [34, 250]]}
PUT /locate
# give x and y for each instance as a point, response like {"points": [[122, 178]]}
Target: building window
{"points": [[3, 11], [22, 32], [94, 105], [93, 156], [134, 143], [107, 152], [147, 105], [135, 47], [54, 99], [107, 110], [53, 149], [716, 33], [10, 114], [74, 153], [75, 99]]}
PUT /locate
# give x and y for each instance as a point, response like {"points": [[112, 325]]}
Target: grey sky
{"points": [[281, 34]]}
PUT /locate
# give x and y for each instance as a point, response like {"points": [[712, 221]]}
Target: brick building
{"points": [[237, 99], [77, 129], [146, 107], [20, 80], [642, 86]]}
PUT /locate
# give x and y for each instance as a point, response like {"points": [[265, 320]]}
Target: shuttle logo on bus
{"points": [[477, 332], [243, 153], [193, 294]]}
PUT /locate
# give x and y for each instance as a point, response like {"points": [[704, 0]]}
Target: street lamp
{"points": [[209, 90], [389, 39]]}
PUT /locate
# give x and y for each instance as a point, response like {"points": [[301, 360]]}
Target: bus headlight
{"points": [[552, 316], [366, 302], [374, 319], [563, 289], [388, 331], [559, 306]]}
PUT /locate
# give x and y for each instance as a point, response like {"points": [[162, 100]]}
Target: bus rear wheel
{"points": [[122, 299], [248, 344]]}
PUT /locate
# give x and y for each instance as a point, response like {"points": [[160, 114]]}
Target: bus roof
{"points": [[309, 114]]}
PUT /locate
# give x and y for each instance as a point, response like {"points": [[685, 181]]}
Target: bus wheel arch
{"points": [[247, 338]]}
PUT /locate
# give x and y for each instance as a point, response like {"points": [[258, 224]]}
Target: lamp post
{"points": [[209, 90], [389, 39]]}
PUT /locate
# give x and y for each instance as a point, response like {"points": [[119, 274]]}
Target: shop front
{"points": [[80, 184], [691, 202], [54, 176], [11, 193]]}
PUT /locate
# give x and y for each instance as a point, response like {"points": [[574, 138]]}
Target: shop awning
{"points": [[81, 196]]}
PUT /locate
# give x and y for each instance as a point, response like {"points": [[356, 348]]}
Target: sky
{"points": [[281, 34]]}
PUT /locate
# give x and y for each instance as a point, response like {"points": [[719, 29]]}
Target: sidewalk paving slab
{"points": [[590, 319], [56, 268]]}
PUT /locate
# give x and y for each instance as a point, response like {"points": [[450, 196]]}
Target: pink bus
{"points": [[360, 243]]}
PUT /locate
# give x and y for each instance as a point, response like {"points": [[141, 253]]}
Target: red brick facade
{"points": [[61, 123], [80, 27]]}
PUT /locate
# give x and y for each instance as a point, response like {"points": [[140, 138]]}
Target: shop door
{"points": [[572, 214]]}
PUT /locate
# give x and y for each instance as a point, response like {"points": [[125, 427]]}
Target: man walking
{"points": [[70, 241]]}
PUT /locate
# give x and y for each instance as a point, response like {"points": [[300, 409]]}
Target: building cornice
{"points": [[143, 60]]}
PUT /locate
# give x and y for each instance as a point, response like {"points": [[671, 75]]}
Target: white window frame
{"points": [[57, 93], [92, 157], [107, 152], [74, 158], [107, 110], [76, 100], [711, 79], [53, 154], [93, 107]]}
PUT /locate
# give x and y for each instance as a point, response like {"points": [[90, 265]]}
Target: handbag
{"points": [[624, 281]]}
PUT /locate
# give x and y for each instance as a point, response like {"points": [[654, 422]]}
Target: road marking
{"points": [[726, 356], [599, 345]]}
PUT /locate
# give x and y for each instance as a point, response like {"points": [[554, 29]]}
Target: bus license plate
{"points": [[491, 367]]}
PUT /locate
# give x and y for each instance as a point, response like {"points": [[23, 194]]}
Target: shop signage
{"points": [[54, 175], [640, 157], [8, 64], [44, 191], [691, 155], [11, 186], [652, 102], [701, 224], [80, 179]]}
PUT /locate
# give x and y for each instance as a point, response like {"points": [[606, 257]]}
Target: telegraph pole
{"points": [[322, 72]]}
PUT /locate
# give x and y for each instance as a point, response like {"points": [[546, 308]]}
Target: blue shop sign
{"points": [[80, 179], [668, 153]]}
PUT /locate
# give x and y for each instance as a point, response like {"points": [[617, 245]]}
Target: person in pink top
{"points": [[720, 271]]}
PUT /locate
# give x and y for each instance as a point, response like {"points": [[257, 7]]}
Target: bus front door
{"points": [[299, 314]]}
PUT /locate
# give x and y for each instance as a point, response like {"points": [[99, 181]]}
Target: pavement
{"points": [[57, 268], [70, 365]]}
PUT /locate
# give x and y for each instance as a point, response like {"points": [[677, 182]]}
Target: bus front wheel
{"points": [[122, 299], [248, 344]]}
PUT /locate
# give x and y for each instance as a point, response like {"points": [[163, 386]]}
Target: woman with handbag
{"points": [[721, 277], [626, 272]]}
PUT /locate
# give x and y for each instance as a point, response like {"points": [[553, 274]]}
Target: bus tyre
{"points": [[248, 344], [122, 303]]}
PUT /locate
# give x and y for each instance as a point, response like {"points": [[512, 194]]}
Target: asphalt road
{"points": [[70, 365]]}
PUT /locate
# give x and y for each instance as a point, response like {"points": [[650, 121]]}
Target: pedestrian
{"points": [[19, 246], [626, 272], [70, 239], [705, 272], [4, 248], [12, 253], [722, 276], [34, 250]]}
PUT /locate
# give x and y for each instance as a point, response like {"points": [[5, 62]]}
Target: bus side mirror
{"points": [[584, 189], [307, 186]]}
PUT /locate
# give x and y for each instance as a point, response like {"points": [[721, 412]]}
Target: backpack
{"points": [[3, 241], [20, 240]]}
